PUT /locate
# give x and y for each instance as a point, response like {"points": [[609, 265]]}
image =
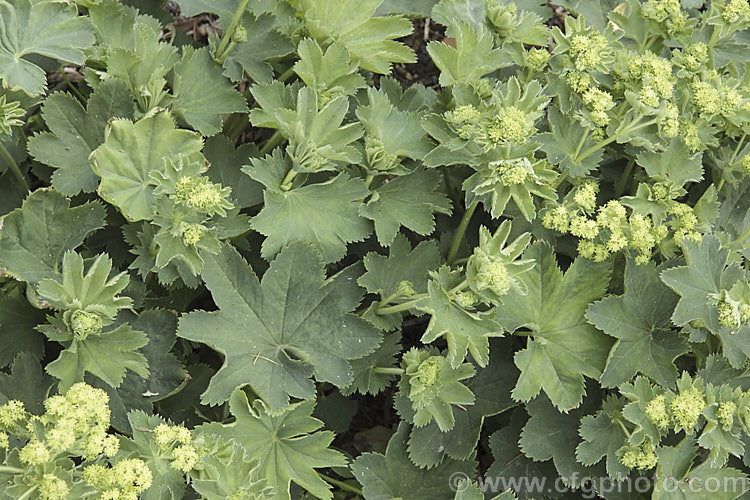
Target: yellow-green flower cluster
{"points": [[509, 125], [191, 233], [611, 230], [34, 453], [641, 457], [466, 299], [725, 414], [684, 222], [53, 488], [654, 74], [599, 103], [511, 172], [85, 323], [463, 120], [502, 15], [123, 481], [657, 412], [669, 125], [536, 59], [588, 51], [203, 195], [179, 441], [692, 57], [667, 12], [733, 305], [79, 422], [579, 82], [491, 273], [686, 407], [690, 136], [12, 414], [405, 288], [736, 12]]}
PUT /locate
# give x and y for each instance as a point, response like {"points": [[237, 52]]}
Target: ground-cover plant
{"points": [[239, 259]]}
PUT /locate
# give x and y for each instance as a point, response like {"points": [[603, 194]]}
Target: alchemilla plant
{"points": [[245, 254]]}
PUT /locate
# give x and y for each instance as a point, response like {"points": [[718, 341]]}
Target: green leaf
{"points": [[366, 380], [369, 39], [676, 165], [168, 482], [190, 8], [409, 201], [263, 43], [226, 169], [399, 131], [317, 139], [277, 333], [567, 143], [166, 373], [26, 383], [325, 214], [227, 472], [143, 66], [463, 330], [17, 322], [428, 446], [707, 273], [562, 347], [640, 321], [402, 264], [473, 57], [75, 133], [29, 29], [549, 434], [107, 355], [331, 73], [415, 8], [34, 237], [131, 151], [201, 94], [678, 479], [511, 463], [393, 475], [288, 445], [602, 437], [119, 26]]}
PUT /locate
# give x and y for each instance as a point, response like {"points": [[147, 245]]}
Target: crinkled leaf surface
{"points": [[366, 380], [75, 133], [226, 164], [599, 433], [202, 94], [34, 237], [393, 475], [277, 333], [410, 201], [676, 165], [288, 445], [29, 28], [561, 145], [561, 347], [130, 152], [640, 321]]}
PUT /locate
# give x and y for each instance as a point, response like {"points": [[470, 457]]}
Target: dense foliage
{"points": [[241, 261]]}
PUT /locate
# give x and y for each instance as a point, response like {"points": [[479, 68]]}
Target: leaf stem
{"points": [[12, 470], [743, 236], [405, 306], [340, 484], [222, 49], [622, 426], [382, 370], [286, 75], [274, 141], [460, 231], [624, 178], [72, 87], [286, 184], [27, 493], [13, 166]]}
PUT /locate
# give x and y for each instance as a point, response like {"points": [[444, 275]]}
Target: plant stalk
{"points": [[15, 170], [222, 49], [460, 231]]}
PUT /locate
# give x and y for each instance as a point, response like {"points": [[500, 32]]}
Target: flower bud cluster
{"points": [[666, 12], [178, 441], [678, 411], [125, 480], [641, 457], [654, 76]]}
